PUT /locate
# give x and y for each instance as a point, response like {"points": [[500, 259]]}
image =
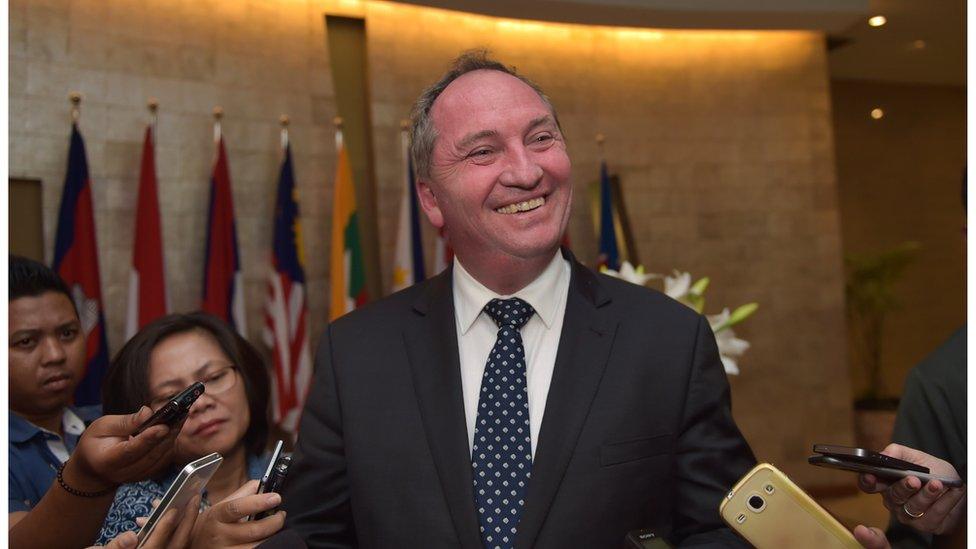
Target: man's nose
{"points": [[53, 351], [521, 169]]}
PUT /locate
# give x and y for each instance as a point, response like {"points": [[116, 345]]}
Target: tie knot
{"points": [[509, 312]]}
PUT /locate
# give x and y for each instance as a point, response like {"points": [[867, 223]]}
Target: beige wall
{"points": [[722, 140], [900, 179]]}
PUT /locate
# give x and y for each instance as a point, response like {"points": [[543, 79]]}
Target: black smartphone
{"points": [[889, 473], [175, 410], [274, 477], [867, 457]]}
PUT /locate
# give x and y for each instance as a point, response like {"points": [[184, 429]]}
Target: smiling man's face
{"points": [[500, 175]]}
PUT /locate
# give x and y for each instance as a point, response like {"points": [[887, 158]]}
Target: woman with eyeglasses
{"points": [[230, 417]]}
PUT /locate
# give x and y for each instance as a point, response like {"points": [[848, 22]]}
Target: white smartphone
{"points": [[889, 473], [190, 482]]}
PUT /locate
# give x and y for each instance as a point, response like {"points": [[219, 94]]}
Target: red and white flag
{"points": [[147, 282], [286, 311]]}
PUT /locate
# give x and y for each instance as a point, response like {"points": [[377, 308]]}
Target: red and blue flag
{"points": [[223, 287], [76, 261]]}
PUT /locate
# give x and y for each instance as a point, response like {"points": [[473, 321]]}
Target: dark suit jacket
{"points": [[637, 431]]}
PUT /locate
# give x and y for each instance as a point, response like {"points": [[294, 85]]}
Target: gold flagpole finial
{"points": [[338, 122], [75, 98], [284, 121], [600, 138], [404, 125], [153, 105], [218, 113]]}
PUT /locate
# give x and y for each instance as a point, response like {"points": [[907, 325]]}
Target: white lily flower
{"points": [[729, 346], [677, 286], [630, 274]]}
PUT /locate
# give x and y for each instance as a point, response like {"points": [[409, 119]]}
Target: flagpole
{"points": [[75, 99], [218, 114], [405, 141], [338, 124], [284, 121]]}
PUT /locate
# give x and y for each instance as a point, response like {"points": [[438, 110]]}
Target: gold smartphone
{"points": [[771, 512]]}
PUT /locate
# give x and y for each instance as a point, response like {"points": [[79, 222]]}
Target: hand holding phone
{"points": [[859, 460], [925, 506], [176, 409], [274, 477], [222, 524], [190, 483]]}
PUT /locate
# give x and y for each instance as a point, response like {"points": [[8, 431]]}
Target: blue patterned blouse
{"points": [[135, 499]]}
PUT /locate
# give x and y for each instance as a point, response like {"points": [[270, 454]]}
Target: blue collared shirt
{"points": [[33, 466]]}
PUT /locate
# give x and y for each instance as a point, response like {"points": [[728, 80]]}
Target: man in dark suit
{"points": [[518, 399]]}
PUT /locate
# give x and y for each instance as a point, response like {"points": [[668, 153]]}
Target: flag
{"points": [[147, 282], [408, 259], [347, 277], [76, 261], [609, 255], [286, 313], [443, 253], [223, 288]]}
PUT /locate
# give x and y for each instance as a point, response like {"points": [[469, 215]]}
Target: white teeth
{"points": [[522, 206]]}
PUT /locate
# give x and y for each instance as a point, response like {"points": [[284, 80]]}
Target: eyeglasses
{"points": [[216, 382]]}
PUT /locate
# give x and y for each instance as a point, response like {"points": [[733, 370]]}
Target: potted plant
{"points": [[870, 297]]}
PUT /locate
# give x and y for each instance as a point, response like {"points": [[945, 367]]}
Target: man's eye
{"points": [[24, 343], [480, 153], [69, 333]]}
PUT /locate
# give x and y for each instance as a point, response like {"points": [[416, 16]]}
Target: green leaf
{"points": [[698, 288], [697, 302], [741, 313]]}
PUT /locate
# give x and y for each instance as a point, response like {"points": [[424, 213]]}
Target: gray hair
{"points": [[422, 131]]}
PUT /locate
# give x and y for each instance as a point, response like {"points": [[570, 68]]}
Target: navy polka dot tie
{"points": [[502, 455]]}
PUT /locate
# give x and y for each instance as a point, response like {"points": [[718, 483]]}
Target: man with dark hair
{"points": [[45, 362], [518, 399]]}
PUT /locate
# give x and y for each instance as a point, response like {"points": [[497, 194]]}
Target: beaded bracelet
{"points": [[77, 492]]}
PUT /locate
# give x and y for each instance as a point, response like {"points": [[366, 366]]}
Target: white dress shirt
{"points": [[477, 333]]}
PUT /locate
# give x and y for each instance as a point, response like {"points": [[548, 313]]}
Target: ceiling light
{"points": [[877, 20], [877, 113], [919, 44]]}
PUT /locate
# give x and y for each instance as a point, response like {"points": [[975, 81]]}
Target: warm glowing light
{"points": [[877, 113], [919, 44], [877, 20]]}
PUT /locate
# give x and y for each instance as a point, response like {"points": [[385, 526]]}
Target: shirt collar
{"points": [[71, 423], [471, 296], [21, 430]]}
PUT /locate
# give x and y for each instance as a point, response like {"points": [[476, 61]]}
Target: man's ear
{"points": [[428, 201]]}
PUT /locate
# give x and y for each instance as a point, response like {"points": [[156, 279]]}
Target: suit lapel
{"points": [[432, 349], [584, 347]]}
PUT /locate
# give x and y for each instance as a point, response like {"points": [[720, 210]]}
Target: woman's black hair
{"points": [[126, 385]]}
